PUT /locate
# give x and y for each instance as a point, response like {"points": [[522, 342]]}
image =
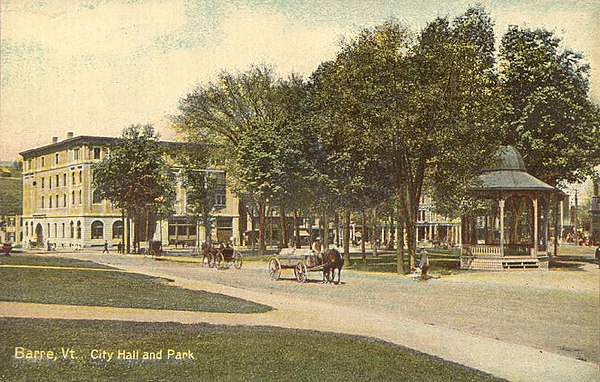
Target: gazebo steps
{"points": [[502, 263]]}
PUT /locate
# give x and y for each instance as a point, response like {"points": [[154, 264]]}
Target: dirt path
{"points": [[376, 306]]}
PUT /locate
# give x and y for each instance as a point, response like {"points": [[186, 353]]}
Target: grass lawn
{"points": [[107, 288], [220, 353], [49, 261]]}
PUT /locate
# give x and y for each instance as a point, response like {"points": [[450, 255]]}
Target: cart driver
{"points": [[317, 245]]}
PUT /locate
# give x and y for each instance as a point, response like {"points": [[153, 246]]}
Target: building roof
{"points": [[66, 143], [85, 139], [509, 174]]}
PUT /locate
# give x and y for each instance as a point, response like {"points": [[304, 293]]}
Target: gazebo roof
{"points": [[509, 174]]}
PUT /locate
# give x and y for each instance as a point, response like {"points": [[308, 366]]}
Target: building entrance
{"points": [[39, 235]]}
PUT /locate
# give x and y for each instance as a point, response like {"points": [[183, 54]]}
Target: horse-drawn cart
{"points": [[221, 258], [301, 261]]}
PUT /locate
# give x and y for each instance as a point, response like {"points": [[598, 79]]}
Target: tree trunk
{"points": [[337, 229], [346, 239], [363, 236], [253, 228], [325, 242], [128, 233], [556, 208], [283, 236], [400, 246], [296, 230], [123, 232], [375, 239], [261, 227], [243, 226]]}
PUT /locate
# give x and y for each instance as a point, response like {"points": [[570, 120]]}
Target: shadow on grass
{"points": [[214, 353]]}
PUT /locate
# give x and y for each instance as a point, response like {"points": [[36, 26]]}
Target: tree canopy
{"points": [[550, 118], [136, 178]]}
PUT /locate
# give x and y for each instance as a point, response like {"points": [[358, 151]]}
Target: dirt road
{"points": [[523, 326]]}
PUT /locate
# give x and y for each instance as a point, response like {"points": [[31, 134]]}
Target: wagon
{"points": [[301, 261], [221, 258]]}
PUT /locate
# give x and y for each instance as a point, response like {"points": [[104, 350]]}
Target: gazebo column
{"points": [[501, 206], [535, 227]]}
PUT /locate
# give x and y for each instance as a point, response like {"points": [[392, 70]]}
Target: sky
{"points": [[93, 67]]}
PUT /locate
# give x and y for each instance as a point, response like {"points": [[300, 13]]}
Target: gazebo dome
{"points": [[509, 159], [509, 174]]}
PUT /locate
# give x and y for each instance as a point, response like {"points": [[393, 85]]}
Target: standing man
{"points": [[105, 247], [424, 264]]}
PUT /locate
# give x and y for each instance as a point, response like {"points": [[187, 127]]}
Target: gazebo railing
{"points": [[494, 250]]}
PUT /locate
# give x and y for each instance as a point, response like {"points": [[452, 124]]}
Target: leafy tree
{"points": [[550, 118], [408, 110], [202, 185], [243, 114], [136, 178]]}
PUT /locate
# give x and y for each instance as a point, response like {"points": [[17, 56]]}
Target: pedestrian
{"points": [[105, 247], [424, 264], [120, 247]]}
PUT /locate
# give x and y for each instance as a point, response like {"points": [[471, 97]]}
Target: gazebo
{"points": [[506, 233]]}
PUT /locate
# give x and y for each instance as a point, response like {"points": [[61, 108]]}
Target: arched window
{"points": [[117, 229], [79, 230], [97, 230]]}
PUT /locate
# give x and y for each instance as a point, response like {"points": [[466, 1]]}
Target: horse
{"points": [[332, 260]]}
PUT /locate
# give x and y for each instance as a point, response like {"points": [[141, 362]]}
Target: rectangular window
{"points": [[64, 200], [56, 158], [43, 161], [29, 164], [75, 154], [42, 202], [57, 179], [96, 152], [80, 177], [63, 230], [73, 177], [50, 202], [220, 196], [49, 182], [73, 197], [65, 179], [80, 200], [56, 201], [43, 179]]}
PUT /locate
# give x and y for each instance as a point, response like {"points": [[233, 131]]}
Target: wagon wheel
{"points": [[274, 269], [207, 260], [237, 260], [219, 260], [301, 272]]}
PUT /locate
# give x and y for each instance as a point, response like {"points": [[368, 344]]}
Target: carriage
{"points": [[301, 260], [221, 258]]}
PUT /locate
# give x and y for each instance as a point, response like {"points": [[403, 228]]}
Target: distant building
{"points": [[60, 206], [10, 202]]}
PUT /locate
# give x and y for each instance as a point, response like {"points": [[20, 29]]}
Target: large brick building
{"points": [[59, 205]]}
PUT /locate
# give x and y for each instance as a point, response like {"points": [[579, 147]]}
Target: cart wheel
{"points": [[301, 272], [237, 260], [219, 260], [274, 269], [207, 260]]}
